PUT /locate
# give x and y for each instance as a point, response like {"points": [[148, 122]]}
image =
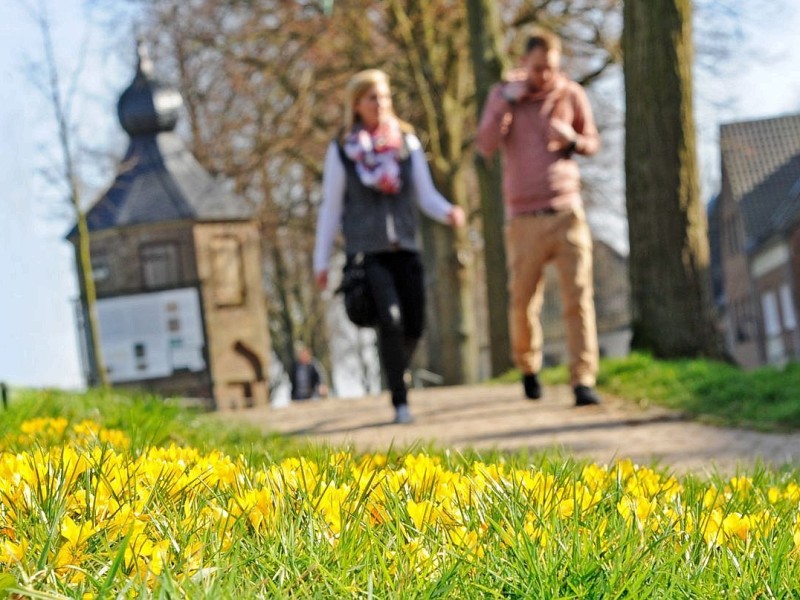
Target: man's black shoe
{"points": [[585, 396], [533, 389]]}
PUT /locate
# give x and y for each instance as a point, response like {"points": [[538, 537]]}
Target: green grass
{"points": [[84, 518], [148, 419], [259, 516], [766, 399]]}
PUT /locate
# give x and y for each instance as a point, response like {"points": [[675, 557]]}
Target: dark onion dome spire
{"points": [[158, 179], [148, 106]]}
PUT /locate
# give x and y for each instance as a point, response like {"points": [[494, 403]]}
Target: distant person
{"points": [[375, 175], [306, 377], [540, 120]]}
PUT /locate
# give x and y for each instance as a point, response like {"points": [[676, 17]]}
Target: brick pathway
{"points": [[498, 417]]}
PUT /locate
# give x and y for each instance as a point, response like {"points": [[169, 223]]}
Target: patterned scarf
{"points": [[377, 156]]}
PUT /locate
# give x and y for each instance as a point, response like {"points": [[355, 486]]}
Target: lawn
{"points": [[106, 495], [766, 399]]}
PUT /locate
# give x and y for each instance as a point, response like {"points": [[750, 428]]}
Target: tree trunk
{"points": [[60, 107], [487, 63], [669, 255], [438, 65], [452, 340], [97, 371]]}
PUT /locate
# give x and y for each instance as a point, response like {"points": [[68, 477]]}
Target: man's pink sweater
{"points": [[534, 178]]}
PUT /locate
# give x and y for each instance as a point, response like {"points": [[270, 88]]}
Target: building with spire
{"points": [[176, 261]]}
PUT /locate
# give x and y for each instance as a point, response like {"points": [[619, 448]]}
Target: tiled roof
{"points": [[788, 212], [761, 160], [160, 180]]}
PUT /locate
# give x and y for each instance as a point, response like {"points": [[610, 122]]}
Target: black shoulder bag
{"points": [[358, 301]]}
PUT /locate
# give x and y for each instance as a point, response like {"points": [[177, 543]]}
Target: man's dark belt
{"points": [[543, 211]]}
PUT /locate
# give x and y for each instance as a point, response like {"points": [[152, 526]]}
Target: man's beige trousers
{"points": [[531, 242]]}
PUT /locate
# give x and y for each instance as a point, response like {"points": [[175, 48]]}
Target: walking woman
{"points": [[375, 175]]}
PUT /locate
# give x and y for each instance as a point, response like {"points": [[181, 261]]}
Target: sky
{"points": [[38, 340]]}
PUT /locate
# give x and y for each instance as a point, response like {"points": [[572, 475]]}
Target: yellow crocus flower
{"points": [[421, 513]]}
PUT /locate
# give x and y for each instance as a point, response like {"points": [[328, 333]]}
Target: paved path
{"points": [[498, 417]]}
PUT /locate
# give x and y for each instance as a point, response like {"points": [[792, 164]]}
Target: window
{"points": [[101, 270], [160, 265], [769, 305], [743, 321], [140, 353], [226, 269], [787, 308]]}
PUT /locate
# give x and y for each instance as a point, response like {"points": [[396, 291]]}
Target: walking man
{"points": [[540, 119]]}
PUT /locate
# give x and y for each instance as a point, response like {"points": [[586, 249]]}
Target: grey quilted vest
{"points": [[370, 216]]}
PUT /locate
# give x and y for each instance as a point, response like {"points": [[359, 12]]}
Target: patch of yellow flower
{"points": [[78, 500]]}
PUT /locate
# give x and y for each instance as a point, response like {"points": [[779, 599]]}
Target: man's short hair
{"points": [[542, 38]]}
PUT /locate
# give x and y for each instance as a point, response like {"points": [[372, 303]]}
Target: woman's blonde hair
{"points": [[359, 84]]}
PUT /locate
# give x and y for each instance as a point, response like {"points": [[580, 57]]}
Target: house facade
{"points": [[176, 261], [755, 238]]}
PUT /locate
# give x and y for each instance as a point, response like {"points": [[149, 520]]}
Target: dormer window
{"points": [[101, 270], [160, 265]]}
